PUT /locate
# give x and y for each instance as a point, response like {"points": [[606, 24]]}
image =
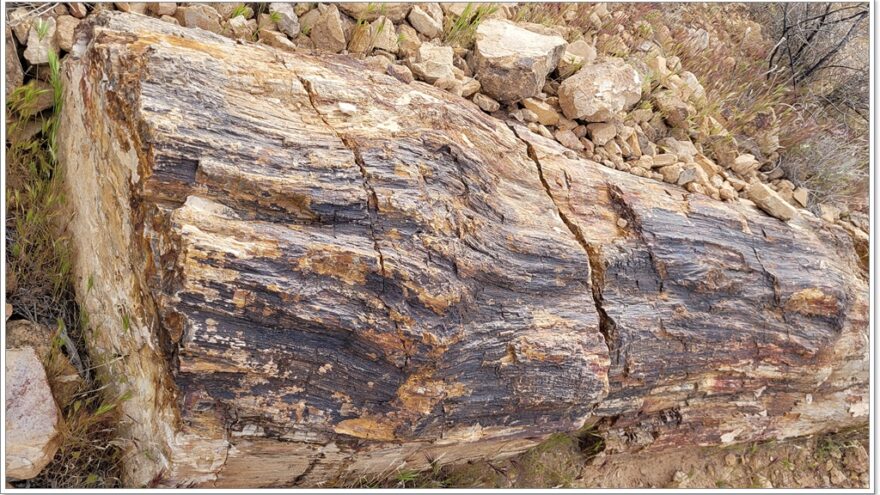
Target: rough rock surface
{"points": [[329, 273], [32, 418], [14, 74], [41, 41], [511, 62], [288, 22], [598, 91]]}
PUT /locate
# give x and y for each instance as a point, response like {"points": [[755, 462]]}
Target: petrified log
{"points": [[302, 270]]}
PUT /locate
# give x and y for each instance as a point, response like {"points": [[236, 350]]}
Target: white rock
{"points": [[288, 22], [424, 22], [384, 35], [745, 164], [511, 62], [577, 55], [32, 417], [769, 201], [433, 62], [328, 33], [41, 41], [597, 92]]}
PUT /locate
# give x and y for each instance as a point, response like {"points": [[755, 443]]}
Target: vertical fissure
{"points": [[372, 210], [607, 326]]}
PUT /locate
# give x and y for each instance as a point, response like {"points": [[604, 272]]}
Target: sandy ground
{"points": [[830, 461]]}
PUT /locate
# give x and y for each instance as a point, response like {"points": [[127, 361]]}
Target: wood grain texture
{"points": [[329, 273]]}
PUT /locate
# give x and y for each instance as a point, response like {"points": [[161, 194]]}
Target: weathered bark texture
{"points": [[295, 291]]}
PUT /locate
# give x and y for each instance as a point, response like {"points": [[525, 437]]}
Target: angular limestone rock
{"points": [[511, 62], [328, 273], [770, 201]]}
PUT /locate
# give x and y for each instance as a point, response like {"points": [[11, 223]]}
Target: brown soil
{"points": [[830, 461]]}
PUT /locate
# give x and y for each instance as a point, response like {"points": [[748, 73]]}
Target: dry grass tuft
{"points": [[39, 287]]}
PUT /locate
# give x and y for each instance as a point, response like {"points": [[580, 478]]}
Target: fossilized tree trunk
{"points": [[294, 291]]}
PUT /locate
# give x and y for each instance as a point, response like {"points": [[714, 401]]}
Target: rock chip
{"points": [[200, 16], [408, 41], [79, 10], [568, 139], [287, 20], [675, 111], [169, 19], [424, 23], [328, 33], [802, 196], [20, 22], [132, 7], [64, 33], [597, 92], [240, 28], [160, 8], [469, 86], [433, 62], [400, 72], [485, 103], [384, 35], [576, 55], [671, 173], [828, 212], [276, 39], [511, 62], [547, 115], [745, 164], [601, 132], [692, 173], [41, 41], [33, 420], [768, 200]]}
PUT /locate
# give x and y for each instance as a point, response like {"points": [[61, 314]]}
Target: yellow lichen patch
{"points": [[392, 343], [146, 40], [240, 298], [812, 302], [367, 428], [328, 260], [420, 393], [552, 344]]}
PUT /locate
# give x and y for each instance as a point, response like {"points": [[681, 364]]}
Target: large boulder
{"points": [[511, 62], [599, 91], [33, 420], [352, 273]]}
